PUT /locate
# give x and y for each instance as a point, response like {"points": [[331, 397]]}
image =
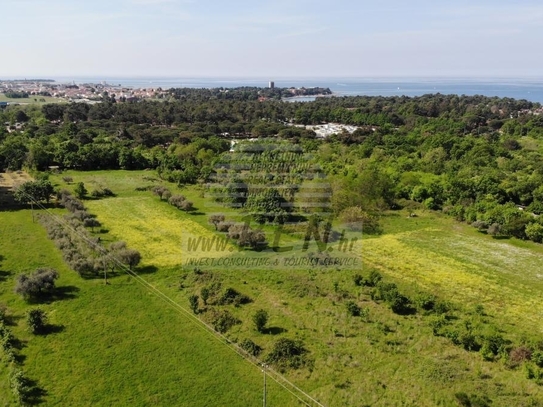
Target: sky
{"points": [[272, 38]]}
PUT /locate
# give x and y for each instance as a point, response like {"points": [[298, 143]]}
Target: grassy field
{"points": [[116, 344], [384, 359], [455, 261], [31, 100]]}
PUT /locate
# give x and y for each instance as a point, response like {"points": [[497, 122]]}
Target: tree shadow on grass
{"points": [[406, 311], [146, 269], [67, 292], [35, 394], [4, 275], [274, 330], [50, 329]]}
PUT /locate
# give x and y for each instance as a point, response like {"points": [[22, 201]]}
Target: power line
{"points": [[275, 376]]}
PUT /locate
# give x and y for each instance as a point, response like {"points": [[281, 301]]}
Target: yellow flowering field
{"points": [[469, 269], [156, 229]]}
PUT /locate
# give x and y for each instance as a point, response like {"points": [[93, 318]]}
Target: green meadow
{"points": [[31, 100], [119, 344]]}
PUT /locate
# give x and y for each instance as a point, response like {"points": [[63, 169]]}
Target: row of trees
{"points": [[83, 252]]}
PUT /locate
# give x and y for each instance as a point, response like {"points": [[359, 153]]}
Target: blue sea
{"points": [[518, 88]]}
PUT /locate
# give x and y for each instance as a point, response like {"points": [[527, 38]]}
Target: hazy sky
{"points": [[273, 38]]}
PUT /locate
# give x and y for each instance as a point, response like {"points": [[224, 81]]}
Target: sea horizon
{"points": [[521, 87]]}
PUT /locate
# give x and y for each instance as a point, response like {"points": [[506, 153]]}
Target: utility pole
{"points": [[32, 210], [264, 395]]}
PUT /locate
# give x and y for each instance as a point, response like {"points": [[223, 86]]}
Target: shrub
{"points": [[193, 301], [186, 206], [205, 293], [176, 200], [250, 347], [160, 190], [388, 292], [42, 281], [480, 225], [231, 296], [216, 219], [358, 280], [260, 319], [20, 385], [246, 237], [425, 302], [101, 192], [225, 226], [91, 223], [166, 195], [288, 353], [494, 229], [70, 202], [373, 279], [537, 357], [80, 190], [534, 231], [129, 257], [36, 320], [353, 309], [441, 307], [80, 215], [463, 399], [223, 320]]}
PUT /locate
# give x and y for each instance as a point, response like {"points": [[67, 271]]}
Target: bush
{"points": [[534, 231], [425, 302], [224, 226], [36, 320], [373, 279], [288, 353], [358, 280], [193, 301], [159, 191], [537, 357], [129, 257], [80, 190], [70, 202], [42, 281], [20, 385], [250, 347], [176, 200], [260, 319], [463, 399], [223, 320], [231, 296], [388, 292], [494, 230], [186, 206], [101, 193], [353, 309], [205, 293], [246, 237], [480, 225], [216, 219]]}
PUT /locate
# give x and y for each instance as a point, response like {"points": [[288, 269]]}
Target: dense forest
{"points": [[476, 158]]}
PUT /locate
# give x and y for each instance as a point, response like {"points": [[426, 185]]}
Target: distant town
{"points": [[39, 89]]}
